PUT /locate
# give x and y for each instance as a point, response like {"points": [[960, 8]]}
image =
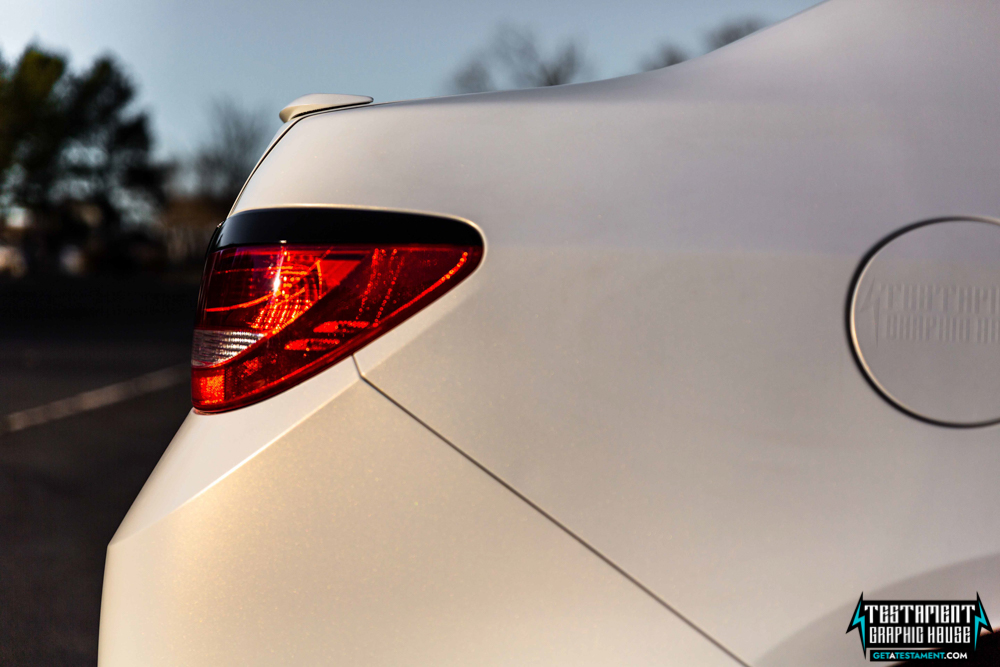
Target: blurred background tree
{"points": [[205, 186], [726, 33], [730, 31], [237, 137], [668, 54], [513, 59], [75, 164]]}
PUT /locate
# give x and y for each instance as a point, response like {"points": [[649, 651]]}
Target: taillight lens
{"points": [[270, 316]]}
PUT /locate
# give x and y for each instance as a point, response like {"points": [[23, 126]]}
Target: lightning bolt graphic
{"points": [[859, 622], [981, 621]]}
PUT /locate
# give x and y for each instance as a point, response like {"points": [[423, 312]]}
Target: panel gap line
{"points": [[560, 525]]}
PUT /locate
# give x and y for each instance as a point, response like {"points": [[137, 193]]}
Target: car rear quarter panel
{"points": [[654, 350]]}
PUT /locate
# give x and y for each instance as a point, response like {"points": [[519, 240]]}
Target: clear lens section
{"points": [[212, 347], [271, 316]]}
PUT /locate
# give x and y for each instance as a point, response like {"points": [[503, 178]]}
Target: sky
{"points": [[185, 53]]}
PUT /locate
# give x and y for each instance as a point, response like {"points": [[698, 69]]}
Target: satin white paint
{"points": [[189, 467], [653, 353], [359, 538]]}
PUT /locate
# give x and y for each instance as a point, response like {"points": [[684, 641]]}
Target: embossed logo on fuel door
{"points": [[925, 320]]}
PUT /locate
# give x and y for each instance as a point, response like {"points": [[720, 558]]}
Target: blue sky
{"points": [[182, 53]]}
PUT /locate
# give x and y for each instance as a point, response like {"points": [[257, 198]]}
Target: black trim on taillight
{"points": [[341, 226]]}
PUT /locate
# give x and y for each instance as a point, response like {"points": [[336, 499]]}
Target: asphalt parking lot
{"points": [[66, 483]]}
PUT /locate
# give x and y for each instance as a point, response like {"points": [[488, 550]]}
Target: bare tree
{"points": [[667, 55], [516, 50], [206, 187], [514, 60], [474, 77], [730, 31], [237, 138]]}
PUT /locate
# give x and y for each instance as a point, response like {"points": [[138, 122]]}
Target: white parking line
{"points": [[96, 398]]}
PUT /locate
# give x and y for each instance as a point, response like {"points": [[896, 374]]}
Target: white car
{"points": [[664, 369]]}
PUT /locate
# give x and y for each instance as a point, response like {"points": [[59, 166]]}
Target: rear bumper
{"points": [[359, 537]]}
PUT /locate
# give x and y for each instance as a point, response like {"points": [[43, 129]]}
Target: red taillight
{"points": [[270, 316]]}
